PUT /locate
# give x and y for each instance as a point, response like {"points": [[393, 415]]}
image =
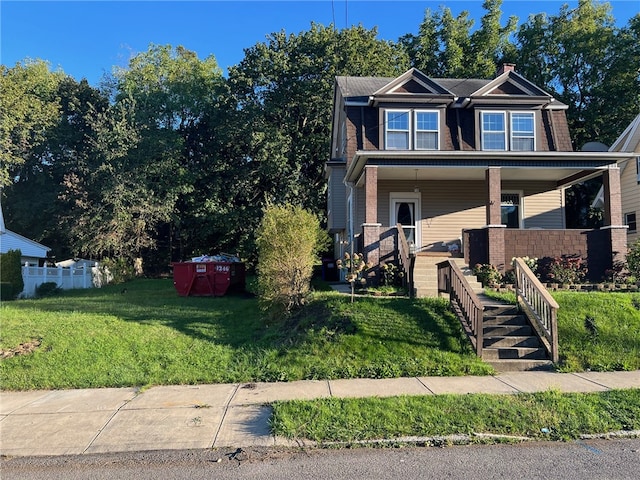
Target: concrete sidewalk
{"points": [[62, 422]]}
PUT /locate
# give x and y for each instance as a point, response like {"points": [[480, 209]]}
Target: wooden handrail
{"points": [[464, 300], [403, 248], [538, 305]]}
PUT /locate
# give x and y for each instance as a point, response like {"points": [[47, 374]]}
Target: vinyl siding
{"points": [[630, 197], [543, 204], [448, 207], [336, 200]]}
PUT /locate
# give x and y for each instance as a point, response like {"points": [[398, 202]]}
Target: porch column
{"points": [[371, 227], [613, 213], [370, 194], [495, 229]]}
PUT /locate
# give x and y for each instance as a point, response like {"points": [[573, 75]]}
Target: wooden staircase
{"points": [[509, 342], [425, 275]]}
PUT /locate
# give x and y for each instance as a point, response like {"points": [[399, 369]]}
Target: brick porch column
{"points": [[371, 227], [495, 229], [613, 213], [370, 194]]}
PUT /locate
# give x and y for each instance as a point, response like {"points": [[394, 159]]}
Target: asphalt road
{"points": [[593, 459]]}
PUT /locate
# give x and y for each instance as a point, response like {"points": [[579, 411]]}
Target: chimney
{"points": [[506, 67]]}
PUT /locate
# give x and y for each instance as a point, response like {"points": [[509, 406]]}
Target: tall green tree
{"points": [[284, 90], [584, 60], [446, 47], [39, 200], [29, 107], [163, 118]]}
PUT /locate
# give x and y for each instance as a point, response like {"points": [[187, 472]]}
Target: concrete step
{"points": [[502, 366], [513, 353]]}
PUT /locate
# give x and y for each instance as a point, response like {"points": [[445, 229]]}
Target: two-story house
{"points": [[471, 167]]}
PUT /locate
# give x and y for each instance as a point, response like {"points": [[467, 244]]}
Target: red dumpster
{"points": [[207, 279]]}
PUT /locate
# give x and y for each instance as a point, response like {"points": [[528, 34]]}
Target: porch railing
{"points": [[403, 249], [539, 306], [464, 300]]}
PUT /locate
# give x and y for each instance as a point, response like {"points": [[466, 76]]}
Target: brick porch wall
{"points": [[595, 245]]}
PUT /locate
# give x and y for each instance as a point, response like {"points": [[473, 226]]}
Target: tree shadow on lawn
{"points": [[419, 322], [236, 320], [233, 319]]}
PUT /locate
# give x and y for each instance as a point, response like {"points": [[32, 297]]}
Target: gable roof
{"points": [[629, 140], [413, 81], [415, 85], [12, 241]]}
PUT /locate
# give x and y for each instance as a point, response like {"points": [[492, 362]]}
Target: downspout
{"points": [[362, 128], [459, 130]]}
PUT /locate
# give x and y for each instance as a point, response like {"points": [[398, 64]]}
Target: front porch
{"points": [[481, 217], [490, 245]]}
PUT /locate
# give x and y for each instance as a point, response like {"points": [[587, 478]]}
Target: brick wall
{"points": [[594, 245]]}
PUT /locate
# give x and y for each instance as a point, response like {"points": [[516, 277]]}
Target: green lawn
{"points": [[546, 415], [149, 336]]}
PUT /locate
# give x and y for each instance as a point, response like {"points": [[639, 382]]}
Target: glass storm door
{"points": [[406, 212]]}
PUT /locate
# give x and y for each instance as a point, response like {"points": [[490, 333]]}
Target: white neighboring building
{"points": [[32, 252]]}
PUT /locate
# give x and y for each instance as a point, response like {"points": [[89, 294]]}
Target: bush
{"points": [[289, 239], [564, 269], [118, 270], [47, 289], [488, 274], [11, 275], [633, 259]]}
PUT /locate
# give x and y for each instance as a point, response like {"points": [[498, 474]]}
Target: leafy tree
{"points": [[584, 60], [28, 108], [149, 155], [40, 198], [283, 88], [445, 46]]}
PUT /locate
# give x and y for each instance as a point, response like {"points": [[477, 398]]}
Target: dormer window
{"points": [[519, 136], [412, 130]]}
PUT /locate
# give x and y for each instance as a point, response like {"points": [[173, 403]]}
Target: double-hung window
{"points": [[426, 130], [493, 131], [508, 131], [412, 130], [522, 136], [397, 131]]}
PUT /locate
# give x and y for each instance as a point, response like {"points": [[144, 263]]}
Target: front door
{"points": [[405, 210]]}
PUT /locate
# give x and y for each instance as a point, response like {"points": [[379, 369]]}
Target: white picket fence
{"points": [[65, 278]]}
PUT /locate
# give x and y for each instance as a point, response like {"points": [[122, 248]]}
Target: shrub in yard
{"points": [[563, 269], [633, 259], [11, 282], [488, 274], [289, 239], [119, 270], [47, 289]]}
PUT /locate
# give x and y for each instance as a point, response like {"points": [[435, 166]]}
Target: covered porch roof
{"points": [[563, 168]]}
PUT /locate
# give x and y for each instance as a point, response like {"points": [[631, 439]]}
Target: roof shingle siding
{"points": [[561, 128]]}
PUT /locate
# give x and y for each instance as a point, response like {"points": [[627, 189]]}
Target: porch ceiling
{"points": [[409, 173], [564, 168]]}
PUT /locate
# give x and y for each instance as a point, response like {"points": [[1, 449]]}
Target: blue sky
{"points": [[87, 38]]}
